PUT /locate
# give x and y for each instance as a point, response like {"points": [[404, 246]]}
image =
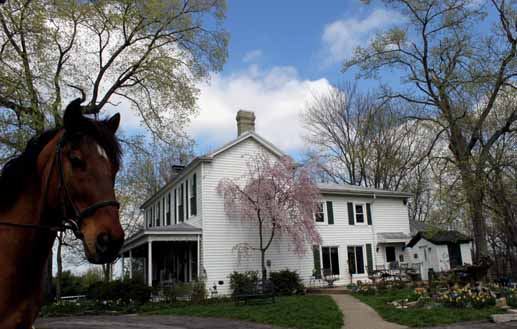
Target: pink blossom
{"points": [[279, 197]]}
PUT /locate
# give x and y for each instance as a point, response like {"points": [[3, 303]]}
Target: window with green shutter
{"points": [[317, 262], [330, 213]]}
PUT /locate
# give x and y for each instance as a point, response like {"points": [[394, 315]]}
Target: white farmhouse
{"points": [[187, 234]]}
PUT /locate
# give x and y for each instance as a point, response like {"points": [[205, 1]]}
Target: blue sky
{"points": [[281, 54]]}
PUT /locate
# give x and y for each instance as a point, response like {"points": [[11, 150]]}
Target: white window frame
{"points": [[365, 265], [338, 257], [324, 210], [363, 206]]}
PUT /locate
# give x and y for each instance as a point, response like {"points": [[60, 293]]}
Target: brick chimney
{"points": [[245, 122]]}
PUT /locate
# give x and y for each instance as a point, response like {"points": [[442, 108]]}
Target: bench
{"points": [[261, 291]]}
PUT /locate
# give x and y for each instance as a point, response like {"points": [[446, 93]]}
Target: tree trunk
{"points": [[106, 270], [475, 199], [59, 260], [263, 264]]}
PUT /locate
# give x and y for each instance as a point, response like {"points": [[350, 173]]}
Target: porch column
{"points": [[150, 263], [198, 258], [122, 260], [130, 263]]}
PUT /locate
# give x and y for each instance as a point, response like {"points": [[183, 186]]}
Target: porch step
{"points": [[329, 291], [500, 318]]}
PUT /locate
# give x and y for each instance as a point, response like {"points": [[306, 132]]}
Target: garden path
{"points": [[361, 316]]}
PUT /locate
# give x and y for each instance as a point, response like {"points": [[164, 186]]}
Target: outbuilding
{"points": [[439, 250]]}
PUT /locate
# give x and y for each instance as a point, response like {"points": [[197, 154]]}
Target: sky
{"points": [[281, 55]]}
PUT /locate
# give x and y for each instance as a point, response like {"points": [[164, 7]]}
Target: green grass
{"points": [[307, 312], [421, 317]]}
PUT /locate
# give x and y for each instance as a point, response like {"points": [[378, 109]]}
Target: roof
{"points": [[387, 237], [331, 188], [440, 237], [177, 229], [181, 227], [209, 157]]}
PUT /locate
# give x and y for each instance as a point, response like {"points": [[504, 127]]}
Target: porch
{"points": [[163, 256]]}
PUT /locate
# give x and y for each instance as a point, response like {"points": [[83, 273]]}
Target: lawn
{"points": [[307, 312], [419, 316]]}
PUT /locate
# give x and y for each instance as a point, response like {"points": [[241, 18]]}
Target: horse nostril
{"points": [[103, 242]]}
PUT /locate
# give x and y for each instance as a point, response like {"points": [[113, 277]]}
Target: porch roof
{"points": [[178, 232], [392, 237]]}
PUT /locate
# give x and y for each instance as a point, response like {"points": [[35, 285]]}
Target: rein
{"points": [[74, 222]]}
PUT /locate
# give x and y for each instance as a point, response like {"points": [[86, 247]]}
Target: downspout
{"points": [[374, 247]]}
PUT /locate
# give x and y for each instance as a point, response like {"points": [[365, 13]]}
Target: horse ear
{"points": [[73, 115], [113, 122]]}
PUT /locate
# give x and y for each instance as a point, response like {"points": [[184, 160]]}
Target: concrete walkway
{"points": [[361, 316]]}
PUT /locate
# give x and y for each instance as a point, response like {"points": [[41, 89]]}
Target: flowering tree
{"points": [[277, 196]]}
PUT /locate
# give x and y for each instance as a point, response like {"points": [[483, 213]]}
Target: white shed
{"points": [[439, 250]]}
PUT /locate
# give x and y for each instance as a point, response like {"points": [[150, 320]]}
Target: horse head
{"points": [[86, 163]]}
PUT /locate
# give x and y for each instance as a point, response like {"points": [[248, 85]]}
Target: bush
{"points": [[123, 291], [198, 292], [243, 283], [287, 282]]}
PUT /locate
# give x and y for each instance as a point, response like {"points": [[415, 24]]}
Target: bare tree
{"points": [[360, 139], [455, 72]]}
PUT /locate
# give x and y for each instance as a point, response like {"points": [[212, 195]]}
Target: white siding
{"points": [[192, 220], [221, 234], [466, 253]]}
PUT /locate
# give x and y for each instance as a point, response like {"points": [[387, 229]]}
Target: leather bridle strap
{"points": [[75, 221]]}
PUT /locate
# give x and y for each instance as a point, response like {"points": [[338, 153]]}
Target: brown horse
{"points": [[63, 180]]}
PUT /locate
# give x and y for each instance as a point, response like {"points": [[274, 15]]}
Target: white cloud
{"points": [[252, 56], [277, 96], [341, 37]]}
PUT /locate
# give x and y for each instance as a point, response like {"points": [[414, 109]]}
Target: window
{"points": [[330, 258], [169, 208], [193, 195], [355, 260], [319, 216], [158, 214], [180, 203], [359, 213]]}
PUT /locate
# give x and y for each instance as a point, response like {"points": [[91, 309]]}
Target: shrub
{"points": [[198, 292], [125, 291], [287, 282], [243, 283]]}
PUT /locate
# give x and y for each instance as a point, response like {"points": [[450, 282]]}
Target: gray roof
{"points": [[400, 236], [332, 188], [440, 237], [181, 227]]}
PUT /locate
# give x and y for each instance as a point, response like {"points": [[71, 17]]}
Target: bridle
{"points": [[71, 222]]}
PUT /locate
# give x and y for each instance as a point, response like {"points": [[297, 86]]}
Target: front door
{"points": [[454, 255], [390, 254]]}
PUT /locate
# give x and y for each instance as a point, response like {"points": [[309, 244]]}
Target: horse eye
{"points": [[76, 161]]}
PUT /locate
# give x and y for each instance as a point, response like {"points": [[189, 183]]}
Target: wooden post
{"points": [[150, 263], [131, 263], [198, 258]]}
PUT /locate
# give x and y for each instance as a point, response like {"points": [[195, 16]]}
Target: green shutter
{"points": [[351, 213], [369, 257], [330, 212], [369, 214], [317, 262]]}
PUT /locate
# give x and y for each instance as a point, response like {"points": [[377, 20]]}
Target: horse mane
{"points": [[17, 171]]}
